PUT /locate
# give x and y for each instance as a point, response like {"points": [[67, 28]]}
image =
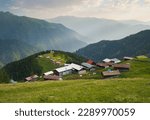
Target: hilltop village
{"points": [[110, 68]]}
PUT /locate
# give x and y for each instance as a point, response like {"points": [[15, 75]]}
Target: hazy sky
{"points": [[111, 9]]}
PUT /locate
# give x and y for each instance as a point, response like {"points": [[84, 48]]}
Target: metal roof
{"points": [[106, 60], [49, 73], [87, 65], [65, 68], [129, 58], [70, 67], [76, 67], [115, 60]]}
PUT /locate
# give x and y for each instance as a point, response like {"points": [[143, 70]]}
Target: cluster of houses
{"points": [[115, 64]]}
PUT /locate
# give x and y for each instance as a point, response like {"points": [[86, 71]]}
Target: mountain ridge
{"points": [[133, 45], [38, 34], [97, 29]]}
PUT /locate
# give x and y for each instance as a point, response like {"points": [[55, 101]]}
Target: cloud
{"points": [[112, 9]]}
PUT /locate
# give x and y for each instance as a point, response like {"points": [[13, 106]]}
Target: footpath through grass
{"points": [[114, 90]]}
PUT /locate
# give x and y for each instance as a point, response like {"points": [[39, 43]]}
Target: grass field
{"points": [[114, 90]]}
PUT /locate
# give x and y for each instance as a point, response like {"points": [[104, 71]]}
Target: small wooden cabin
{"points": [[31, 78], [121, 67], [51, 77], [108, 74]]}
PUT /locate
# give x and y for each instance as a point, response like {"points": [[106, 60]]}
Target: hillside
{"points": [[38, 34], [132, 86], [97, 29], [132, 45], [38, 64], [78, 91], [12, 50]]}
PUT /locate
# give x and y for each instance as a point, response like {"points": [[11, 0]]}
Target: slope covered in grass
{"points": [[114, 90], [38, 64], [140, 68]]}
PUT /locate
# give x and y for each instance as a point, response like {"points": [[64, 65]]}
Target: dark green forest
{"points": [[133, 45], [34, 65]]}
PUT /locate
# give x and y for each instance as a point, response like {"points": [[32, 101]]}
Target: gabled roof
{"points": [[65, 68], [76, 67], [90, 62], [70, 67], [111, 73], [87, 65], [126, 66], [102, 64], [128, 58], [31, 77], [115, 60], [49, 73], [107, 60]]}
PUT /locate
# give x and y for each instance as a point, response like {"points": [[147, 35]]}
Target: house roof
{"points": [[111, 73], [102, 64], [107, 60], [76, 66], [70, 67], [31, 77], [115, 60], [49, 73], [90, 62], [51, 77], [121, 66], [128, 58], [87, 65], [65, 68], [110, 63]]}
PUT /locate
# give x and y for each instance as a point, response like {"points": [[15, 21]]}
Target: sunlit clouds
{"points": [[110, 9]]}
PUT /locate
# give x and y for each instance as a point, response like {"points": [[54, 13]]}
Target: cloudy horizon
{"points": [[109, 9]]}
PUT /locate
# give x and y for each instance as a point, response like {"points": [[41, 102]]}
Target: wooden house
{"points": [[76, 67], [115, 60], [106, 60], [70, 68], [91, 62], [108, 74], [88, 66], [121, 67], [48, 73], [102, 65], [63, 70], [31, 78], [52, 77]]}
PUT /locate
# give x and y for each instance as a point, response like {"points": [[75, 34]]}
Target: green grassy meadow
{"points": [[87, 91], [129, 87]]}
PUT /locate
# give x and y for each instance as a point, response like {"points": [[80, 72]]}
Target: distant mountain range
{"points": [[133, 45], [21, 36], [134, 22], [96, 29]]}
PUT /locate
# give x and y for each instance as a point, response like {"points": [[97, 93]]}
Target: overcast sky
{"points": [[111, 9]]}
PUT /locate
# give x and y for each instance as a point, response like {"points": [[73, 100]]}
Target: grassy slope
{"points": [[39, 63], [132, 86], [119, 90], [140, 67]]}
